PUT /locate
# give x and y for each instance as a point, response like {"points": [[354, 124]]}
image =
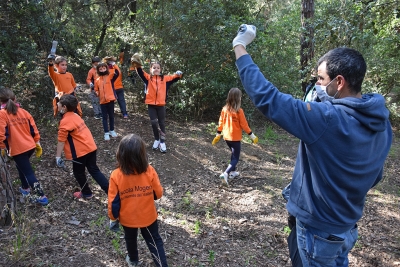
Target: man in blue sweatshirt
{"points": [[339, 158]]}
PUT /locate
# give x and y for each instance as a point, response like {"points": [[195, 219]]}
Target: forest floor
{"points": [[202, 222]]}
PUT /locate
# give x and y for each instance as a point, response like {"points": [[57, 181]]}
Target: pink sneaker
{"points": [[80, 195]]}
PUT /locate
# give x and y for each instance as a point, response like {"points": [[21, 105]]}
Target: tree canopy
{"points": [[194, 37]]}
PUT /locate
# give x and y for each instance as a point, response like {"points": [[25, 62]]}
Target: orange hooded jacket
{"points": [[157, 86], [76, 135], [18, 131], [118, 81], [231, 125], [104, 87], [131, 197]]}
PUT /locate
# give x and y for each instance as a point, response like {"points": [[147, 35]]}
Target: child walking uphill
{"points": [[134, 186], [157, 86], [63, 81], [75, 138], [104, 88], [231, 123], [20, 136]]}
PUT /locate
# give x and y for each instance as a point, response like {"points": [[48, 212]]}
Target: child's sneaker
{"points": [[125, 116], [107, 136], [97, 117], [163, 148], [233, 174], [132, 263], [156, 144], [224, 178], [79, 195], [42, 200], [25, 192], [113, 134]]}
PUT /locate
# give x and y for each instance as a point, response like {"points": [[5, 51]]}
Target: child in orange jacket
{"points": [[75, 138], [134, 186], [231, 123], [63, 81], [20, 136], [91, 77], [157, 86], [118, 85], [104, 88]]}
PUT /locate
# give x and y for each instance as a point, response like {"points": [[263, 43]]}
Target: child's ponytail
{"points": [[7, 98]]}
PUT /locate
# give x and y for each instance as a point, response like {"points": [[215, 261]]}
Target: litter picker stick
{"points": [[52, 54], [53, 48]]}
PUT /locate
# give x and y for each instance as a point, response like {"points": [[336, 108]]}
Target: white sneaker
{"points": [[224, 178], [233, 174], [132, 263], [107, 136], [113, 134], [163, 148], [156, 144]]}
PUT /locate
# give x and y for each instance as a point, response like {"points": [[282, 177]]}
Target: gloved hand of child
{"points": [[254, 138], [136, 62], [51, 58], [245, 35], [114, 225], [38, 150], [216, 139], [179, 73], [60, 162]]}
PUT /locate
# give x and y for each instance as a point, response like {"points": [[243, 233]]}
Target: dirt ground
{"points": [[202, 222]]}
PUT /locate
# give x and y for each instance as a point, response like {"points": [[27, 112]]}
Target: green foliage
{"points": [[186, 200], [197, 227], [211, 257], [286, 230], [194, 37], [212, 128], [24, 238]]}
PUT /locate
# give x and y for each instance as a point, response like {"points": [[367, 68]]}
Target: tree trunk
{"points": [[306, 40], [7, 196]]}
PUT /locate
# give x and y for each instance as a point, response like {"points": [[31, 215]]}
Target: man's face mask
{"points": [[322, 94]]}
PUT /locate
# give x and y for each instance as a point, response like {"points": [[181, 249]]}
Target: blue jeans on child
{"points": [[88, 162], [319, 248], [149, 234], [25, 171], [235, 147], [95, 103], [121, 100], [107, 111]]}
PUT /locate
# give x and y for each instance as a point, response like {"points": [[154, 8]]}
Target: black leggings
{"points": [[153, 240], [157, 119], [235, 147]]}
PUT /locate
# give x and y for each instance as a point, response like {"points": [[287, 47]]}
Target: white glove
{"points": [[178, 72], [91, 85], [245, 35], [114, 225], [60, 162]]}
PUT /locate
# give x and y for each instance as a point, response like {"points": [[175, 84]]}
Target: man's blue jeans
{"points": [[319, 248]]}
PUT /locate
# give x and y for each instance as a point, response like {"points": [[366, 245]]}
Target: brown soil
{"points": [[202, 222]]}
